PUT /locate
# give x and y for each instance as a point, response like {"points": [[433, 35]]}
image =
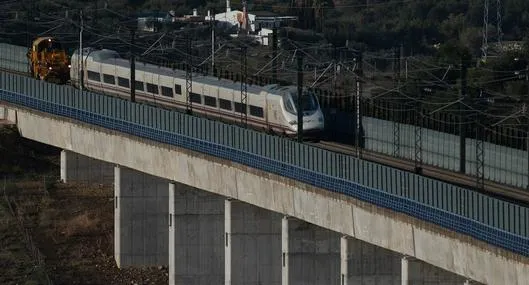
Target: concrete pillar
{"points": [[313, 254], [3, 113], [77, 168], [253, 249], [64, 166], [227, 242], [468, 282], [344, 261], [118, 233], [172, 234], [420, 272], [284, 251], [196, 236], [140, 219], [370, 264], [405, 270], [11, 115]]}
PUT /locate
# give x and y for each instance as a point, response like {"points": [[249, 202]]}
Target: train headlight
{"points": [[69, 66], [49, 68]]}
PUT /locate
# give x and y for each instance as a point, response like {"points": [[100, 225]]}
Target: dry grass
{"points": [[80, 225], [16, 264], [71, 225]]}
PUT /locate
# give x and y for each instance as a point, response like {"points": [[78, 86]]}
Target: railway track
{"points": [[456, 178], [490, 188]]}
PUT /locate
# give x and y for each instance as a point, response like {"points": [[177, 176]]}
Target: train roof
{"points": [[112, 57], [41, 39]]}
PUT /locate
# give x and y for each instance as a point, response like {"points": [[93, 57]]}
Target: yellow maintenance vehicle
{"points": [[49, 61]]}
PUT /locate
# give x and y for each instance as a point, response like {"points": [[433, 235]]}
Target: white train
{"points": [[272, 108]]}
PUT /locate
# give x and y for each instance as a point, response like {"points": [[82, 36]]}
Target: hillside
{"points": [[377, 24]]}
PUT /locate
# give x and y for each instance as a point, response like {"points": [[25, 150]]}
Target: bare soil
{"points": [[72, 226], [74, 229], [16, 264]]}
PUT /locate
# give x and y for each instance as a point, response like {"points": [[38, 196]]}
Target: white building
{"points": [[235, 18], [148, 24]]}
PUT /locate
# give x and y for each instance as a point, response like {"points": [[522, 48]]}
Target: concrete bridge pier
{"points": [[83, 169], [252, 244], [3, 113], [206, 238], [311, 255], [345, 257], [140, 219], [196, 236], [363, 263], [405, 271]]}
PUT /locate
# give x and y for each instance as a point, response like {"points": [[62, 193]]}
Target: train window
{"points": [[109, 79], [152, 88], [123, 82], [256, 111], [138, 85], [178, 89], [225, 104], [210, 101], [240, 108], [167, 92], [195, 98], [94, 76]]}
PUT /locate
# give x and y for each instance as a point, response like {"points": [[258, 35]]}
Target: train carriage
{"points": [[272, 108]]}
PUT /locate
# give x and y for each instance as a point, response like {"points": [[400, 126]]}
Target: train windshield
{"points": [[50, 45], [53, 45], [309, 102]]}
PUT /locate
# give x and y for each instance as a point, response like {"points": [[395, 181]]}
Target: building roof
{"points": [[264, 13]]}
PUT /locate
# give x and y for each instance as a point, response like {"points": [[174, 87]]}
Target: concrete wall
{"points": [[313, 254], [83, 169], [141, 229], [450, 251], [10, 115], [368, 264], [255, 241], [196, 241], [3, 113]]}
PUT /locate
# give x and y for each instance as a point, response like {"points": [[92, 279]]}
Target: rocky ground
{"points": [[71, 226]]}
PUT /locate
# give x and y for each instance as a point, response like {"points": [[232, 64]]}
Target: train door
{"points": [[74, 70], [273, 110], [206, 95], [101, 69], [84, 67], [265, 108], [148, 85]]}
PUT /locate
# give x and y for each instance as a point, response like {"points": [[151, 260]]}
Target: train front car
{"points": [[78, 64], [49, 60], [313, 120]]}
